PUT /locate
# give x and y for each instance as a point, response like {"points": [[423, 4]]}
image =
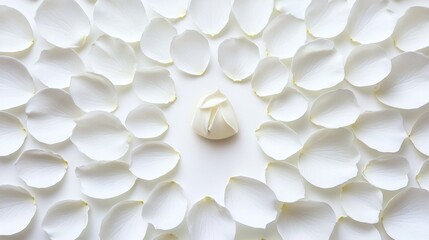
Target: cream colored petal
{"points": [[210, 16], [40, 168], [172, 9], [123, 19], [326, 18], [15, 30], [152, 160], [346, 228], [146, 121], [56, 66], [253, 15], [16, 83], [329, 158], [166, 206], [113, 59], [155, 86], [338, 108], [284, 35], [62, 23], [50, 116], [287, 106], [166, 236], [296, 8], [156, 40], [410, 33], [101, 136], [367, 65], [17, 209], [285, 180], [381, 130], [12, 134], [277, 140], [105, 179], [250, 202], [270, 78], [66, 219], [422, 177], [306, 220], [210, 221], [124, 221], [419, 135], [238, 58], [388, 172]]}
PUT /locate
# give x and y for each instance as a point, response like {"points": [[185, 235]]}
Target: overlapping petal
{"points": [[154, 85], [387, 172], [270, 77], [296, 8], [422, 177], [419, 135], [210, 16], [285, 180], [253, 15], [12, 134], [326, 18], [146, 121], [287, 106], [172, 9], [15, 30], [410, 33], [346, 228]]}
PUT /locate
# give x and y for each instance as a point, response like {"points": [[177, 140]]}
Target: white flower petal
{"points": [[101, 136], [250, 202], [209, 221], [382, 130], [277, 140], [154, 86], [166, 236], [387, 172], [166, 206], [362, 202], [66, 219], [287, 106], [410, 33], [124, 221], [296, 8], [422, 177], [367, 65], [284, 35], [12, 134], [317, 65], [17, 209], [123, 19], [210, 16], [370, 21], [113, 59], [338, 108], [15, 30], [153, 159], [156, 39], [406, 215], [93, 92], [146, 121], [41, 168], [55, 67], [50, 116], [270, 78], [346, 228], [16, 83], [105, 179], [62, 23], [329, 158], [419, 135], [253, 15], [238, 58], [326, 18], [285, 180], [172, 9], [306, 220]]}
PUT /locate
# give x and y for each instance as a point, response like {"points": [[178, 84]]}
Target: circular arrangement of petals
{"points": [[123, 19], [367, 65], [62, 23], [422, 177], [172, 9], [270, 78], [12, 134], [105, 179], [17, 209], [381, 130], [388, 172], [346, 228], [154, 86], [286, 182], [329, 158], [146, 121], [253, 15], [277, 140], [406, 215], [411, 30], [326, 18], [15, 30], [40, 168], [101, 136], [208, 220], [296, 8], [124, 221], [287, 106], [190, 52], [338, 108], [166, 206], [210, 16], [250, 202], [51, 115], [419, 135], [317, 65], [16, 83], [66, 219]]}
